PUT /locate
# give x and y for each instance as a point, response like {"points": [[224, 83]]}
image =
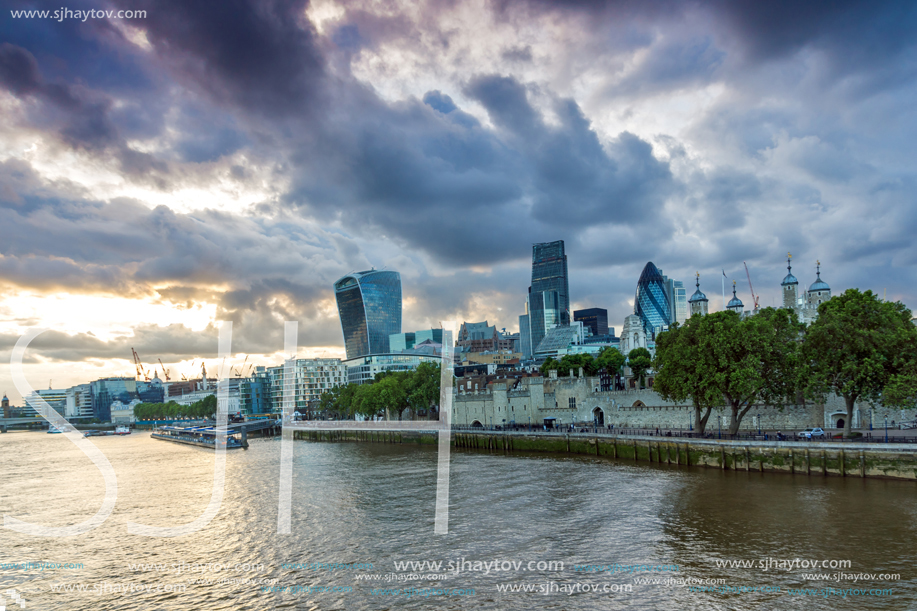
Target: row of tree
{"points": [[388, 396], [205, 408], [610, 360], [860, 348]]}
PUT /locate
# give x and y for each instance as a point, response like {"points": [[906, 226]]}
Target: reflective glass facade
{"points": [[525, 337], [107, 390], [544, 313], [369, 304], [651, 302], [549, 273], [594, 318]]}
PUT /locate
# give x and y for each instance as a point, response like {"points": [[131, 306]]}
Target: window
{"points": [[571, 402]]}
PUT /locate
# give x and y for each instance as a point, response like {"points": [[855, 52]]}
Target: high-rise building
{"points": [[594, 318], [651, 302], [525, 337], [369, 304], [106, 391], [678, 300], [544, 313], [399, 342], [549, 273]]}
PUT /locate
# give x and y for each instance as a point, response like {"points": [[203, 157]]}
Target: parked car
{"points": [[815, 433]]}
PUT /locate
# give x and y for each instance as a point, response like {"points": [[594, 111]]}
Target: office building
{"points": [[481, 337], [399, 342], [311, 378], [651, 302], [549, 273], [369, 305], [544, 313], [525, 336], [255, 393], [594, 318], [106, 391], [433, 335]]}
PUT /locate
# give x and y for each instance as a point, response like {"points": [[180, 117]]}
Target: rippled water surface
{"points": [[374, 504]]}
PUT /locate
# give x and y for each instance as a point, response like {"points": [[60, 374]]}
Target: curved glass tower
{"points": [[369, 304], [651, 303]]}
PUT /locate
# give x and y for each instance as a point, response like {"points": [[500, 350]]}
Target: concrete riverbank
{"points": [[816, 459]]}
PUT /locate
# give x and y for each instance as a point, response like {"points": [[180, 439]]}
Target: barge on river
{"points": [[201, 436]]}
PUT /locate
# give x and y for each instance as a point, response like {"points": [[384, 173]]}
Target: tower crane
{"points": [[750, 287], [238, 372], [140, 371], [165, 371]]}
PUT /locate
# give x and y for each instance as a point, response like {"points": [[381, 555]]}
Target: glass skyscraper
{"points": [[652, 302], [108, 390], [369, 304], [549, 273]]}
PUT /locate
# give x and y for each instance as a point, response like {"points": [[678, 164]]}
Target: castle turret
{"points": [[790, 286], [735, 304], [819, 292], [5, 404], [698, 302]]}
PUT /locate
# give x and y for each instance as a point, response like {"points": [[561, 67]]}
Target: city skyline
{"points": [[154, 179]]}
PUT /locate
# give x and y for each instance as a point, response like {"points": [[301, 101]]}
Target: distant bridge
{"points": [[6, 423]]}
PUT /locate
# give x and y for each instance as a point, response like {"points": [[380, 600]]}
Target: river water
{"points": [[370, 504]]}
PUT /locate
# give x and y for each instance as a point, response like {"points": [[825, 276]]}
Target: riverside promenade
{"points": [[811, 458]]}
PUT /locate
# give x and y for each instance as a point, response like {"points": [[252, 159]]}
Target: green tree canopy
{"points": [[859, 348], [680, 371], [611, 360], [640, 360], [724, 359]]}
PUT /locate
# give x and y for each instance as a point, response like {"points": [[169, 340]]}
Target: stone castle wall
{"points": [[576, 399]]}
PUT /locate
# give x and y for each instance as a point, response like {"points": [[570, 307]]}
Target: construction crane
{"points": [[165, 371], [750, 287], [140, 372], [238, 372]]}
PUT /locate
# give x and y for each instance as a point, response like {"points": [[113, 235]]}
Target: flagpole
{"points": [[723, 282]]}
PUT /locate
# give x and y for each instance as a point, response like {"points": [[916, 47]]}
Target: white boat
{"points": [[122, 430], [53, 430]]}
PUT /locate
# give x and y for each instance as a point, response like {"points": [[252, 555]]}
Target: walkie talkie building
{"points": [[369, 304]]}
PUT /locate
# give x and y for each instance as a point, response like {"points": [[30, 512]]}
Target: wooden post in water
{"points": [[862, 464]]}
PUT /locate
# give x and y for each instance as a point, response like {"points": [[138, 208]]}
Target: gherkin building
{"points": [[651, 303]]}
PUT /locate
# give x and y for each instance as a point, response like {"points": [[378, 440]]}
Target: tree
{"points": [[640, 360], [679, 371], [723, 359], [753, 360], [859, 348], [610, 360], [548, 365]]}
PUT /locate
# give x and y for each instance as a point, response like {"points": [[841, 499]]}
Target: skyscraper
{"points": [[369, 304], [651, 302], [594, 318], [549, 273]]}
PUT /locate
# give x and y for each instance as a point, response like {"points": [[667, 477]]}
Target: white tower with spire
{"points": [[790, 286], [698, 302]]}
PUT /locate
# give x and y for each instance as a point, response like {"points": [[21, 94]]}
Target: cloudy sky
{"points": [[229, 161]]}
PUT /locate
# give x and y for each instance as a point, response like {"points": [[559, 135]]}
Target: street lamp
{"points": [[759, 424], [719, 426], [886, 428]]}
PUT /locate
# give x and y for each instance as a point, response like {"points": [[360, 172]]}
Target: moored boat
{"points": [[201, 436], [122, 430]]}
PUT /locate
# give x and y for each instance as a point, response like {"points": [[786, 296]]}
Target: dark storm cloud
{"points": [[260, 56], [783, 160]]}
